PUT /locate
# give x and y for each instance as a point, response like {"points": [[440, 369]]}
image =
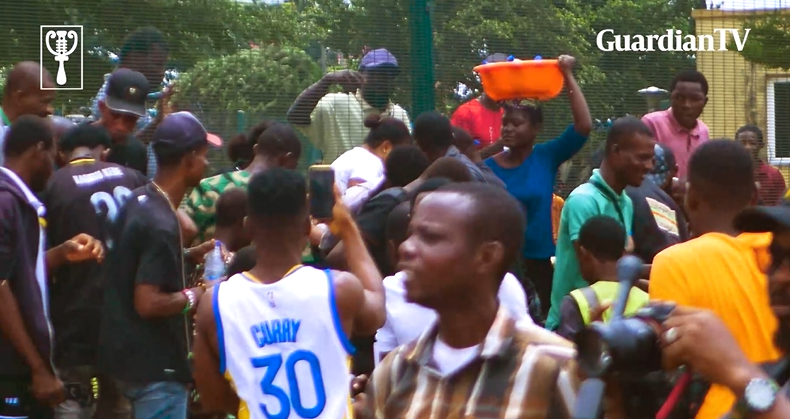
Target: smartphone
{"points": [[321, 184]]}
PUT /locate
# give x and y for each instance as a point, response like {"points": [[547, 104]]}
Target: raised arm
{"points": [[359, 292], [302, 108], [573, 139]]}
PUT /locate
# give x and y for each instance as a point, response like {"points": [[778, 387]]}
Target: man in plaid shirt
{"points": [[474, 361]]}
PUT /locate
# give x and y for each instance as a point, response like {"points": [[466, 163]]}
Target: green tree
{"points": [[262, 80], [769, 40], [195, 29]]}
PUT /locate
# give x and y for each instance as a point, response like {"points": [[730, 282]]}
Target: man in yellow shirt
{"points": [[721, 270], [334, 122]]}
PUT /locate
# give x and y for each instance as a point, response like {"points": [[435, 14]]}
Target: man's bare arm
{"points": [[216, 394], [302, 108], [150, 302], [371, 315]]}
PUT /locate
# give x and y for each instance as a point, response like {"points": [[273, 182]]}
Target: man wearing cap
{"points": [[335, 122], [145, 50], [145, 337], [121, 107]]}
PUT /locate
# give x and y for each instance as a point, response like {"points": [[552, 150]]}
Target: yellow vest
{"points": [[591, 297]]}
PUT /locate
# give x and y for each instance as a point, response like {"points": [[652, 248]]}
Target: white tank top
{"points": [[282, 346]]}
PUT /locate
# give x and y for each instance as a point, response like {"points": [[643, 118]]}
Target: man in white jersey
{"points": [[272, 343]]}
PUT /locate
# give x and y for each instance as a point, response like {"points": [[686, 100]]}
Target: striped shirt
{"points": [[525, 372]]}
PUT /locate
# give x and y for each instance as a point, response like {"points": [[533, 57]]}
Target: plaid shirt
{"points": [[141, 123], [526, 373]]}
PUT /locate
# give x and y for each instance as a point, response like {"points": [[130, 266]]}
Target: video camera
{"points": [[628, 347]]}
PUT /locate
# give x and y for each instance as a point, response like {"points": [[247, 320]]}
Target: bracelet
{"points": [[190, 300]]}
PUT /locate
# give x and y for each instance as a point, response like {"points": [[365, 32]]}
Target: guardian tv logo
{"points": [[61, 50], [672, 40]]}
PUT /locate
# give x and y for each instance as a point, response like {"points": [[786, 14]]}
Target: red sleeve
{"points": [[461, 118], [778, 186]]}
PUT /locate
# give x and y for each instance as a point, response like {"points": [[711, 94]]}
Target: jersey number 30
{"points": [[272, 363]]}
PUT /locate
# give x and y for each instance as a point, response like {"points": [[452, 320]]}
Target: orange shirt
{"points": [[723, 274], [556, 211]]}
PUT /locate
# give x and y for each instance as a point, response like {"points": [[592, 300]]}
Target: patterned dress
{"points": [[201, 205]]}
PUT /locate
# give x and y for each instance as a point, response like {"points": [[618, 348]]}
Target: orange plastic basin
{"points": [[531, 79]]}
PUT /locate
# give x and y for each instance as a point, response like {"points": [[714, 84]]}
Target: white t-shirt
{"points": [[406, 321], [449, 360], [358, 164]]}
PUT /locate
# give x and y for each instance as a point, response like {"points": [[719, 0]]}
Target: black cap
{"points": [[764, 219], [180, 130], [126, 92]]}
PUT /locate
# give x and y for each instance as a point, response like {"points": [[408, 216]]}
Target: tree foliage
{"points": [[769, 40], [195, 30], [263, 80]]}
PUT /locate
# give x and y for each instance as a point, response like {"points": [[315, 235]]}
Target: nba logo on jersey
{"points": [[271, 299]]}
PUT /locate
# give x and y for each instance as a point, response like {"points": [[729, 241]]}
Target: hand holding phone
{"points": [[321, 187]]}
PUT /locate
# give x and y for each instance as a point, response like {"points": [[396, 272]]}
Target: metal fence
{"points": [[242, 60]]}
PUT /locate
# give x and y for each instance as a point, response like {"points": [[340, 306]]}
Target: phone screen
{"points": [[322, 194]]}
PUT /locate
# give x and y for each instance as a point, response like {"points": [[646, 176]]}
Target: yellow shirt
{"points": [[337, 123], [723, 274]]}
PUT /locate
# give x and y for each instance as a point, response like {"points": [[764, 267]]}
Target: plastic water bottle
{"points": [[214, 268]]}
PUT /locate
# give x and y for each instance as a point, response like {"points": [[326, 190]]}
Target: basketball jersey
{"points": [[282, 346]]}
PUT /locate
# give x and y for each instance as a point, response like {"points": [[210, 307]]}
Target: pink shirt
{"points": [[670, 133]]}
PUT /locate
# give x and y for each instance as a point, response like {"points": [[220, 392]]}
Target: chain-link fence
{"points": [[240, 61]]}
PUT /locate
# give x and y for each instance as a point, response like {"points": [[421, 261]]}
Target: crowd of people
{"points": [[450, 281]]}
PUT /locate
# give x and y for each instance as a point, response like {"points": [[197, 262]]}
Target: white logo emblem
{"points": [[271, 299], [63, 45]]}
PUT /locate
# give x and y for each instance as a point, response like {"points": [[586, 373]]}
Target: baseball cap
{"points": [[378, 58], [126, 92], [180, 130], [496, 57]]}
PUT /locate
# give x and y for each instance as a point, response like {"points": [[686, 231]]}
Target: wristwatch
{"points": [[760, 395]]}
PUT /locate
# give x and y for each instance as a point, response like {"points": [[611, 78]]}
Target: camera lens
{"points": [[629, 346]]}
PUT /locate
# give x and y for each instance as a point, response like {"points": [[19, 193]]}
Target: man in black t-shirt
{"points": [[120, 109], [146, 311], [84, 196]]}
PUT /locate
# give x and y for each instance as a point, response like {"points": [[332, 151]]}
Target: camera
{"points": [[628, 351], [627, 346]]}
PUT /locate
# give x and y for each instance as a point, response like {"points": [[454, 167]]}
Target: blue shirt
{"points": [[532, 183]]}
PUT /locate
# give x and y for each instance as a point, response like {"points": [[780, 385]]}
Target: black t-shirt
{"points": [[82, 197], [658, 221], [243, 261], [146, 251], [133, 154], [372, 222]]}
